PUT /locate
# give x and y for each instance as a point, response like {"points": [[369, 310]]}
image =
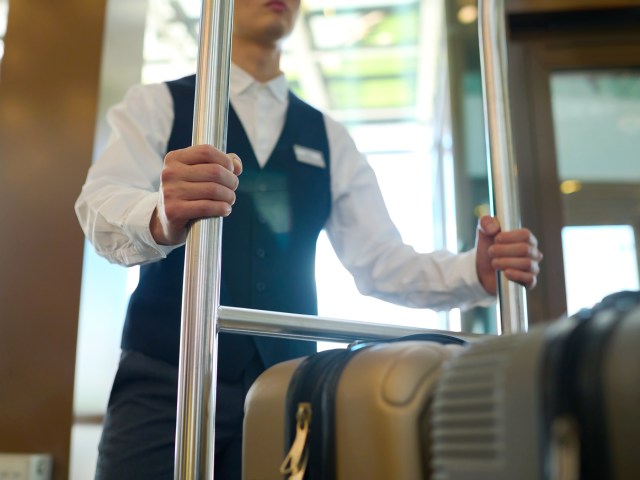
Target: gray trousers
{"points": [[138, 440]]}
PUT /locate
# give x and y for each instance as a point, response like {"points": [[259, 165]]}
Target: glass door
{"points": [[575, 98], [596, 122]]}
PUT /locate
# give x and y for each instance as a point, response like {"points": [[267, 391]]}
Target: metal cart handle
{"points": [[202, 316], [505, 201]]}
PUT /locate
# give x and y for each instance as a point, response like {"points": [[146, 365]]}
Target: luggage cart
{"points": [[202, 315]]}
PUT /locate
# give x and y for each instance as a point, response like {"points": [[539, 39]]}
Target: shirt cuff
{"points": [[476, 292], [144, 248]]}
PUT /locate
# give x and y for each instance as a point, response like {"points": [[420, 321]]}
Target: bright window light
{"points": [[598, 260]]}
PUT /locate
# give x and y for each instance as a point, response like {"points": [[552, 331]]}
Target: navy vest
{"points": [[268, 242]]}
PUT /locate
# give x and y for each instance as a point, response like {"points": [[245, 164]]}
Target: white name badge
{"points": [[309, 156]]}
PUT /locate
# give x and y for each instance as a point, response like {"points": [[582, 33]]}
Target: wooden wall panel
{"points": [[48, 97]]}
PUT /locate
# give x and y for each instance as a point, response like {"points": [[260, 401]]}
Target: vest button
{"points": [[260, 253], [261, 286]]}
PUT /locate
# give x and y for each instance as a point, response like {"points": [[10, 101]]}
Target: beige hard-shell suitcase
{"points": [[379, 428]]}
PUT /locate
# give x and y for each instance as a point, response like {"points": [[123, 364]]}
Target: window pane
{"points": [[338, 296], [598, 261], [597, 125], [4, 14]]}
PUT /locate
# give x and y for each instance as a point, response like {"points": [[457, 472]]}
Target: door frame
{"points": [[538, 45]]}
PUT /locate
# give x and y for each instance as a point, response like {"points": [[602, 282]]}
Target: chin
{"points": [[276, 31]]}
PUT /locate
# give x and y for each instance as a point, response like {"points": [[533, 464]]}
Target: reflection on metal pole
{"points": [[308, 327], [504, 180], [195, 429]]}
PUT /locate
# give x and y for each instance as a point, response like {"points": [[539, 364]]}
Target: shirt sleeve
{"points": [[371, 248], [121, 190]]}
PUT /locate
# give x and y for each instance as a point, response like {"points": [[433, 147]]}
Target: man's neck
{"points": [[262, 62]]}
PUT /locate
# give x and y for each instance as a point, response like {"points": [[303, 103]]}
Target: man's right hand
{"points": [[196, 182]]}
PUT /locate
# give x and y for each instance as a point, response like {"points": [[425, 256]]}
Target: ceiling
{"points": [[344, 56]]}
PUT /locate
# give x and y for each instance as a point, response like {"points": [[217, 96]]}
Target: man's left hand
{"points": [[515, 253]]}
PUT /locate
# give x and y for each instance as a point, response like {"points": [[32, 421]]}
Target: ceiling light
{"points": [[482, 209], [468, 14], [570, 186], [329, 11], [384, 39]]}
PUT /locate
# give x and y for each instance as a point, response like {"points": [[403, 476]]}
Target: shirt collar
{"points": [[241, 81]]}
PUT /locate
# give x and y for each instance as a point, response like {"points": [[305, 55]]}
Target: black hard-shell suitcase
{"points": [[560, 402], [356, 413]]}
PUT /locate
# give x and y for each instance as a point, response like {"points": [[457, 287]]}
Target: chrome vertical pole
{"points": [[504, 175], [195, 429]]}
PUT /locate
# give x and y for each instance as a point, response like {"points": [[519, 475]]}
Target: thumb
{"points": [[488, 228]]}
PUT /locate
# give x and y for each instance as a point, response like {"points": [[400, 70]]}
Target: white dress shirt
{"points": [[121, 192]]}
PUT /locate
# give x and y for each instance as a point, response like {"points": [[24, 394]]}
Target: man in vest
{"points": [[301, 173]]}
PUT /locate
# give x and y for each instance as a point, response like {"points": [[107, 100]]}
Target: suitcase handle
{"points": [[441, 338]]}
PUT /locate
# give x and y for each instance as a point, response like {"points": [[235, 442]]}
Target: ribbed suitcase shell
{"points": [[530, 406], [382, 414]]}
